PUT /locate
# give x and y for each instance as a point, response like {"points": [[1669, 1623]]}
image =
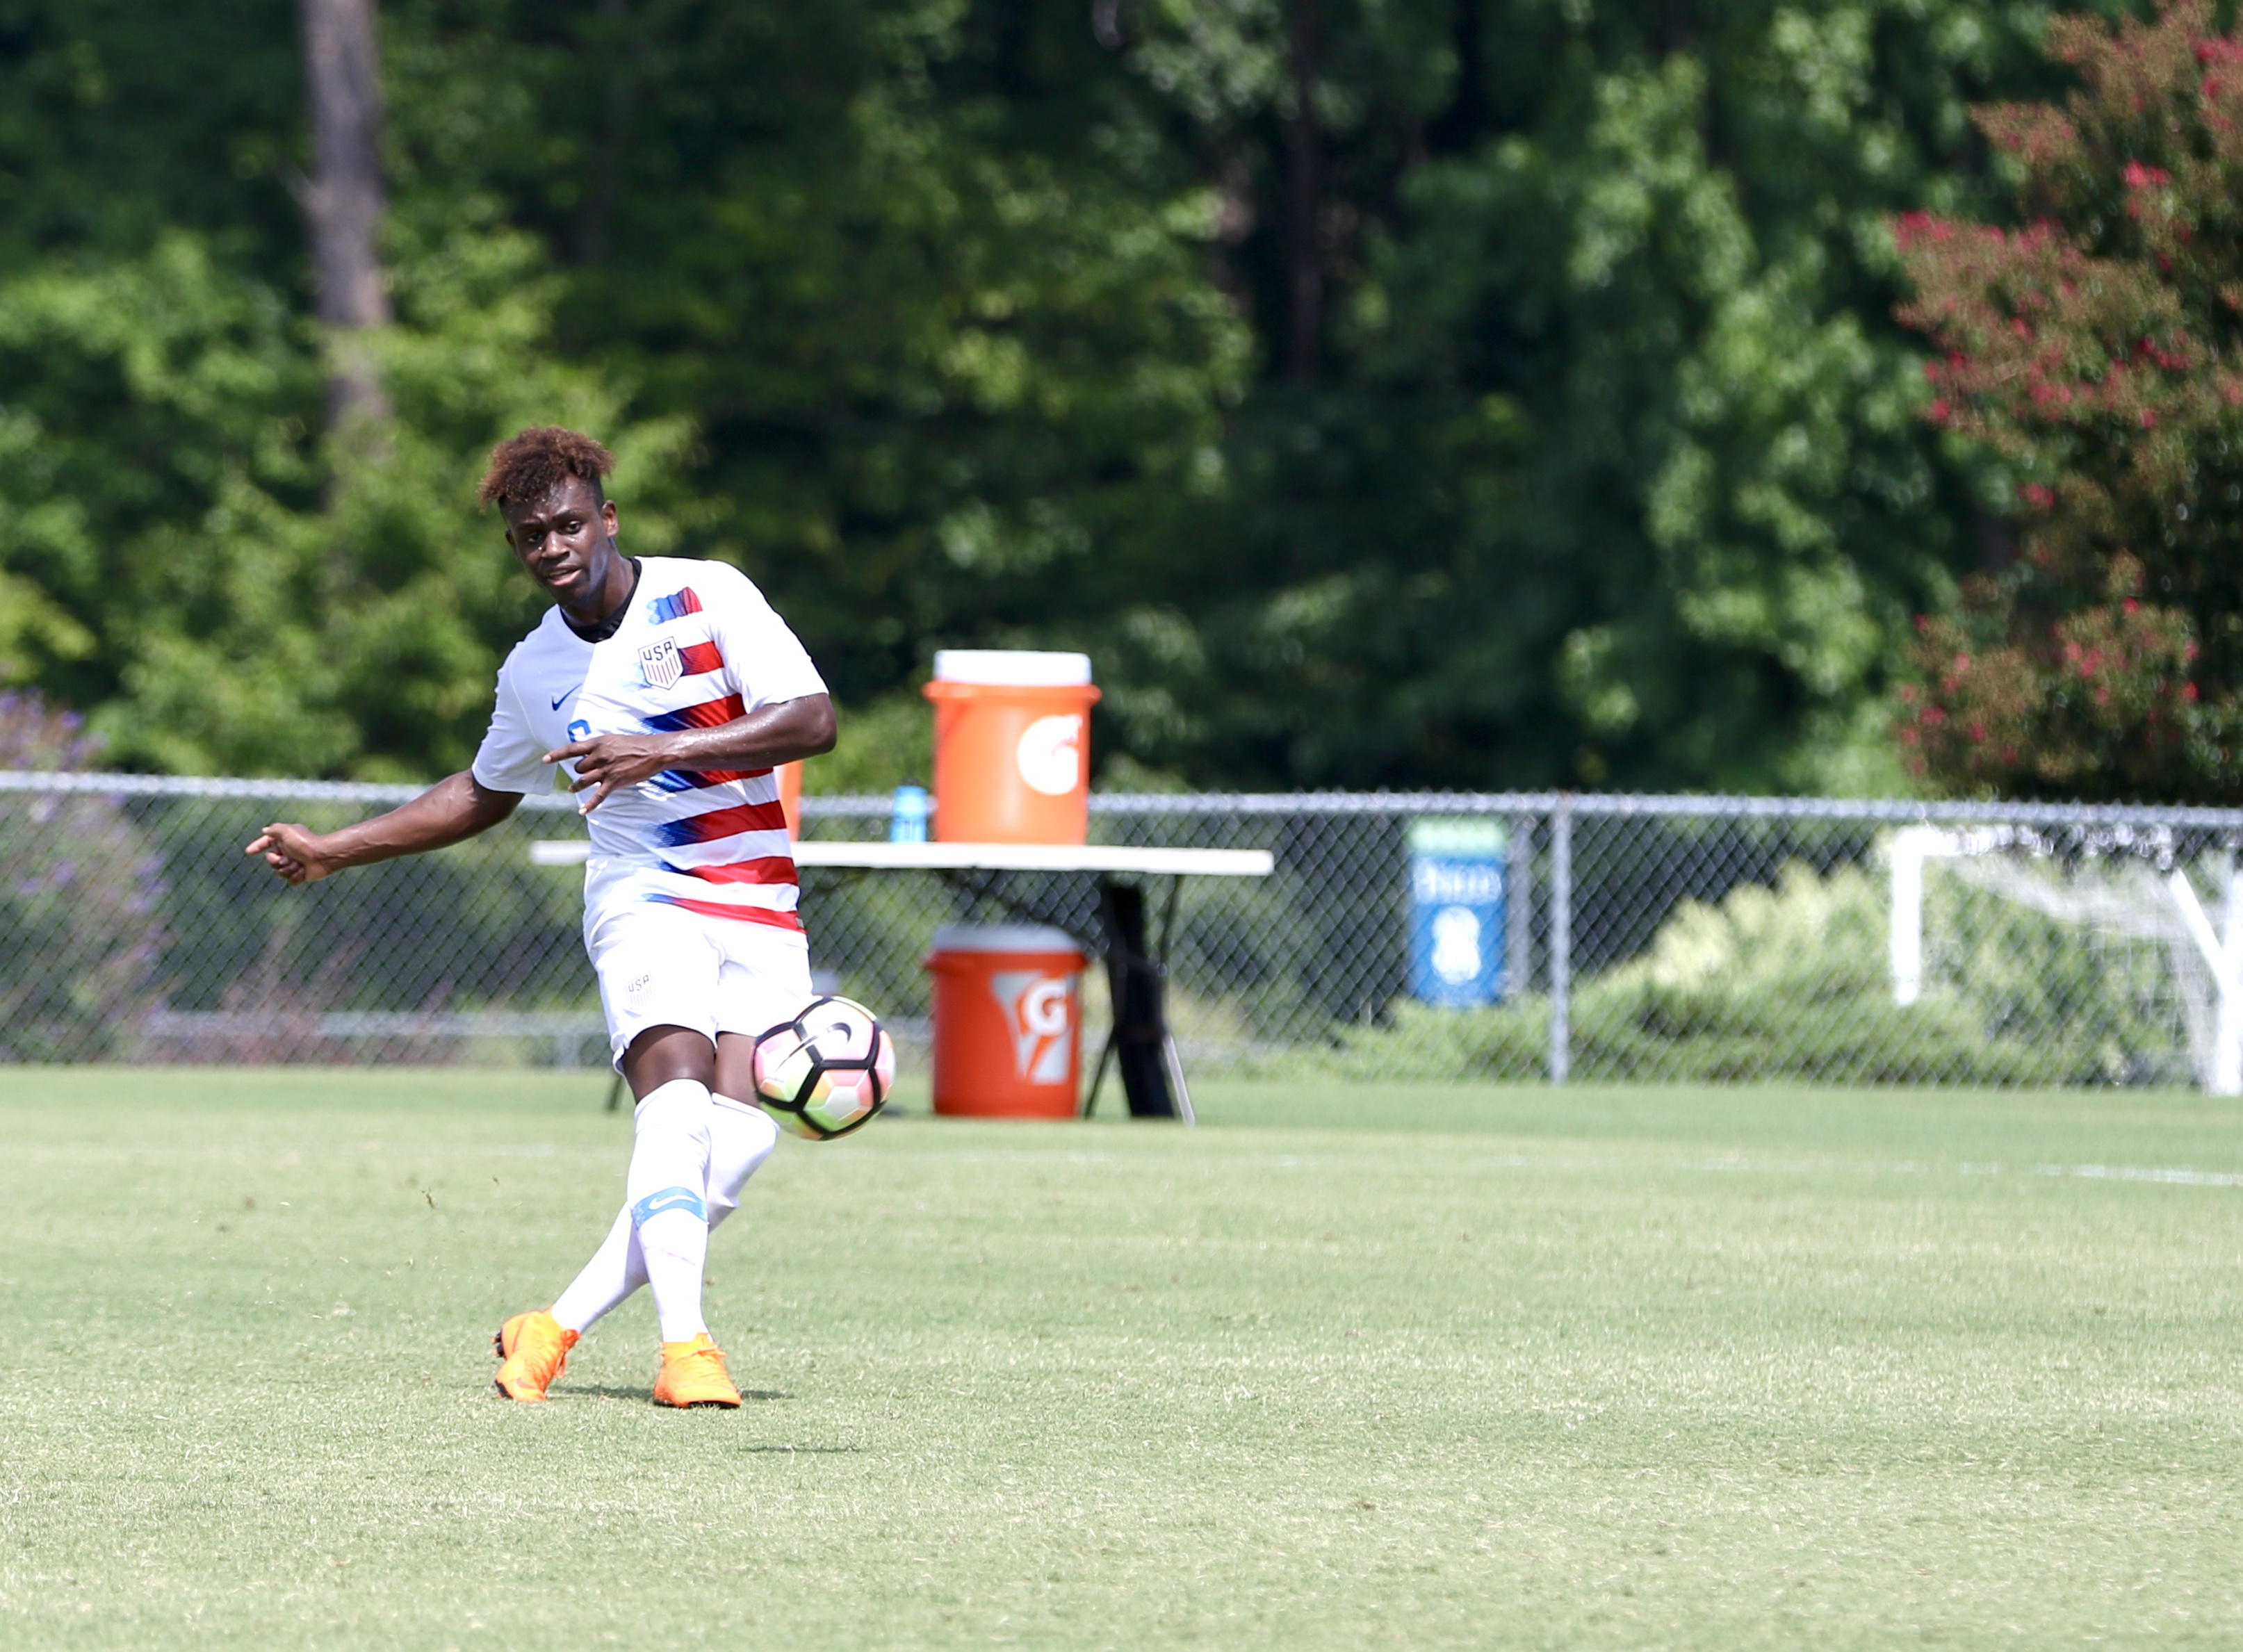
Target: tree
{"points": [[1446, 392], [2096, 344], [345, 199], [1612, 475], [183, 550], [924, 278]]}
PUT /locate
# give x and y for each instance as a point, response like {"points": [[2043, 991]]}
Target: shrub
{"points": [[1789, 982], [80, 891]]}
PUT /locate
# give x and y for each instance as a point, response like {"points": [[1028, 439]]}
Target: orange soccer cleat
{"points": [[693, 1374], [536, 1349]]}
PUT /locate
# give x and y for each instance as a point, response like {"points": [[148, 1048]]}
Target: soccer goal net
{"points": [[2135, 932]]}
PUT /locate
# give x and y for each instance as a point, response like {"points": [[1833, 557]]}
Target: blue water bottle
{"points": [[907, 815]]}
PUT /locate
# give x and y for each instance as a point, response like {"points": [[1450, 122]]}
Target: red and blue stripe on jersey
{"points": [[771, 915], [698, 780], [701, 656], [707, 714], [770, 868], [712, 824], [751, 876]]}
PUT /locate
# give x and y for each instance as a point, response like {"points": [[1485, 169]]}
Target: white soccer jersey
{"points": [[698, 647]]}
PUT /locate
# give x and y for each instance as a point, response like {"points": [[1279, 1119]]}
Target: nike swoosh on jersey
{"points": [[557, 704]]}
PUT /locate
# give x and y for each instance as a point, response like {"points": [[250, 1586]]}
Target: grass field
{"points": [[1420, 1368]]}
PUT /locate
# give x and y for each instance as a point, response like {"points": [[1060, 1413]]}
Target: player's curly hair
{"points": [[531, 465]]}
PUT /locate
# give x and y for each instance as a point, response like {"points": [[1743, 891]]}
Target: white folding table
{"points": [[1136, 964]]}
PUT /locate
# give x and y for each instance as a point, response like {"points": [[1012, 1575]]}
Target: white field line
{"points": [[1726, 1163], [267, 1154], [2137, 1173], [2169, 1175]]}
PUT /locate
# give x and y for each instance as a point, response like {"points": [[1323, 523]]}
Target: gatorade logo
{"points": [[1039, 1011], [1050, 754]]}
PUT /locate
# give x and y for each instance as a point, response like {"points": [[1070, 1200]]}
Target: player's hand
{"points": [[292, 852], [608, 763]]}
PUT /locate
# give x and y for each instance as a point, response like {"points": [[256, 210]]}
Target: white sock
{"points": [[740, 1138], [667, 1191], [616, 1269]]}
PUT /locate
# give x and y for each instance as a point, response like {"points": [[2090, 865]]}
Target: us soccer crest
{"points": [[660, 664]]}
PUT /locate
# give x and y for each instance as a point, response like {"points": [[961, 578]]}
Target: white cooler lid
{"points": [[1011, 667], [971, 937]]}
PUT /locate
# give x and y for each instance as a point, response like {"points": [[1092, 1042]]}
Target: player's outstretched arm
{"points": [[448, 811], [786, 733]]}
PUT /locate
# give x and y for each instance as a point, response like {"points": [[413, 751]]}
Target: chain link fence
{"points": [[1428, 937]]}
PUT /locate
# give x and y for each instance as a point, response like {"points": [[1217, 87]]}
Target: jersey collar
{"points": [[613, 622]]}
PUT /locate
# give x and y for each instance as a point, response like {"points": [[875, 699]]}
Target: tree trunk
{"points": [[345, 199], [1304, 197], [598, 213], [1458, 128]]}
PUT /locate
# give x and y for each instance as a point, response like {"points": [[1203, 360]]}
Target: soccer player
{"points": [[666, 690]]}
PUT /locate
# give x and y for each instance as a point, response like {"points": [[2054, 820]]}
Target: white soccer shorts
{"points": [[662, 965]]}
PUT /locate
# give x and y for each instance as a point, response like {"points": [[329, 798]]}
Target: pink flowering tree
{"points": [[2098, 347]]}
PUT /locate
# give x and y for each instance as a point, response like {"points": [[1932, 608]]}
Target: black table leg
{"points": [[1168, 1039], [1098, 1077], [1151, 1077]]}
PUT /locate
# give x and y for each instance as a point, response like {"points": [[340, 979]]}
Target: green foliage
{"points": [[1789, 983], [80, 894], [168, 555], [376, 625], [920, 364], [882, 745], [922, 275], [952, 325], [121, 120], [1614, 475]]}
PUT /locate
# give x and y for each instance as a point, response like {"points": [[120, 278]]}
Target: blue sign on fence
{"points": [[1457, 887]]}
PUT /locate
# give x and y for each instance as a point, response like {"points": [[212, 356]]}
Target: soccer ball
{"points": [[826, 1071]]}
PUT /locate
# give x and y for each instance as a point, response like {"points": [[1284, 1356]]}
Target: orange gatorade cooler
{"points": [[1012, 746], [1008, 1021]]}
